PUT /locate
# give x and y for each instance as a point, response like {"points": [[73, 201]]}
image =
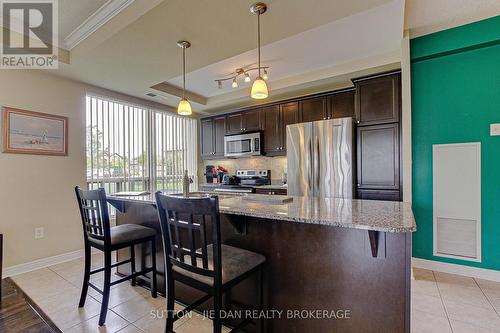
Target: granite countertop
{"points": [[386, 216]]}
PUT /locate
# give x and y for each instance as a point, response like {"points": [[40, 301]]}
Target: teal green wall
{"points": [[455, 97]]}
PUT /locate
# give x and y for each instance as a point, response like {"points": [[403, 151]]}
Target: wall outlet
{"points": [[494, 129], [39, 233]]}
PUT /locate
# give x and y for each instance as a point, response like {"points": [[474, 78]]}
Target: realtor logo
{"points": [[29, 34]]}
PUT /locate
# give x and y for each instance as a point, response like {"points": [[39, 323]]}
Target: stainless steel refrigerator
{"points": [[320, 158]]}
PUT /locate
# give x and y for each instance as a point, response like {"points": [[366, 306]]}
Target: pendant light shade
{"points": [[259, 89], [184, 108]]}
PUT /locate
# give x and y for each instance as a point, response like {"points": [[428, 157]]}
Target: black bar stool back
{"points": [[195, 256], [98, 234]]}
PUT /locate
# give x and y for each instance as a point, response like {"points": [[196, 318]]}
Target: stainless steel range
{"points": [[246, 181]]}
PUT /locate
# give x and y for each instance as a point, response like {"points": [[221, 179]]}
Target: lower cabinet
{"points": [[378, 157]]}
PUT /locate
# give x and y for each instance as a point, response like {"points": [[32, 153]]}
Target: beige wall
{"points": [[37, 191], [277, 165]]}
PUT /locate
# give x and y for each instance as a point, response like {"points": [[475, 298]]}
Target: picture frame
{"points": [[36, 133]]}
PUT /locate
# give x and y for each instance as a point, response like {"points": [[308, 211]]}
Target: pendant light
{"points": [[259, 87], [184, 108]]}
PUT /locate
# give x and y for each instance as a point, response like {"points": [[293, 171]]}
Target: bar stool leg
{"points": [[86, 277], [107, 287], [169, 328], [217, 309], [153, 273], [133, 281], [260, 299]]}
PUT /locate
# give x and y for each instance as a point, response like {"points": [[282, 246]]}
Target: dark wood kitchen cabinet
{"points": [[378, 110], [246, 121], [234, 123], [313, 109], [378, 157], [337, 105], [341, 104], [212, 131], [275, 118], [289, 116], [378, 99], [270, 124]]}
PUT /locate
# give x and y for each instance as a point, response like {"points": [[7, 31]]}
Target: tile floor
{"points": [[441, 303], [446, 303]]}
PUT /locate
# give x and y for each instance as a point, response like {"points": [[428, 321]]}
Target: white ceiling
{"points": [[366, 34], [72, 13], [427, 16]]}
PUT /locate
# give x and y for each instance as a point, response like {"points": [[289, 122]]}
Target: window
{"points": [[135, 148]]}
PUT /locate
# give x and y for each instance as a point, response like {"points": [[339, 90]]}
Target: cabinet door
{"points": [[289, 115], [378, 100], [341, 105], [207, 138], [251, 120], [219, 128], [378, 157], [270, 125], [234, 123], [312, 109]]}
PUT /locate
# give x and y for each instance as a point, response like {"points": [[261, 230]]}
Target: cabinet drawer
{"points": [[378, 195]]}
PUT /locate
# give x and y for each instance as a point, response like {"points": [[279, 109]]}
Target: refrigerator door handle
{"points": [[311, 161], [318, 166]]}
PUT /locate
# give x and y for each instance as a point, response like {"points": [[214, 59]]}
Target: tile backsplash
{"points": [[277, 165]]}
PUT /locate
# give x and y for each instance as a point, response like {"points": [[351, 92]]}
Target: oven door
{"points": [[242, 145]]}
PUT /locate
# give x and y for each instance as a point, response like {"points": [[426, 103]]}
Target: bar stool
{"points": [[213, 268], [98, 234]]}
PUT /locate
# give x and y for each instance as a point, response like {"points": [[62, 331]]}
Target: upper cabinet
{"points": [[341, 104], [212, 131], [275, 118], [271, 139], [289, 115], [234, 123], [245, 121], [312, 109], [207, 137], [337, 105], [378, 99]]}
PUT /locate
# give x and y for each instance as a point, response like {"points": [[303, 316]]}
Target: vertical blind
{"points": [[135, 148]]}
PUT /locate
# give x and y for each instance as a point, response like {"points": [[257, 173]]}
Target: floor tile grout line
{"points": [[442, 302], [487, 298], [140, 329]]}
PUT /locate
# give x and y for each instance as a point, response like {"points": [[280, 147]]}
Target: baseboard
{"points": [[474, 272], [41, 263]]}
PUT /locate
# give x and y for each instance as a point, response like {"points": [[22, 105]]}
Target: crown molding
{"points": [[101, 16]]}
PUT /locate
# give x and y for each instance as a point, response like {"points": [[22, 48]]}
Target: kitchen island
{"points": [[333, 265]]}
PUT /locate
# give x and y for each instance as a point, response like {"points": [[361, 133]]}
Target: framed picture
{"points": [[28, 132]]}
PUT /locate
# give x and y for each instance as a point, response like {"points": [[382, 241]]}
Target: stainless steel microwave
{"points": [[248, 144]]}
